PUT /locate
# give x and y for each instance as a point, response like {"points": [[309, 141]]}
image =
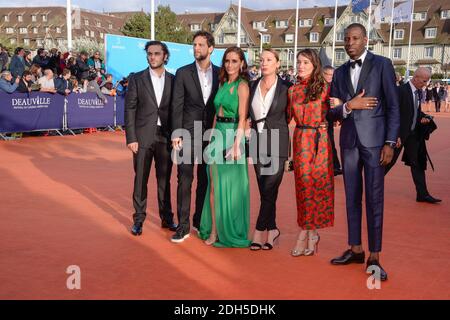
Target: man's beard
{"points": [[201, 57]]}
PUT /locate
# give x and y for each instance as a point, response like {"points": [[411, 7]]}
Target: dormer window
{"points": [[281, 24]]}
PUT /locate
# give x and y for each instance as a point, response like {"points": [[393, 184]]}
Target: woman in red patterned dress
{"points": [[309, 102]]}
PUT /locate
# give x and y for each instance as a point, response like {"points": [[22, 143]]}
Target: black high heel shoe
{"points": [[268, 246]]}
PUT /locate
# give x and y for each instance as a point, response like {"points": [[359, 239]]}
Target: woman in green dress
{"points": [[226, 212]]}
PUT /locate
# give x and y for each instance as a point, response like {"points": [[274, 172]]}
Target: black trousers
{"points": [[411, 146], [160, 151], [437, 104], [185, 179], [268, 190], [336, 163]]}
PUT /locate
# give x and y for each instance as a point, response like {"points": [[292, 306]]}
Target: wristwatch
{"points": [[390, 144]]}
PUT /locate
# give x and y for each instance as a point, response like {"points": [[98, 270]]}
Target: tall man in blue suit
{"points": [[370, 114]]}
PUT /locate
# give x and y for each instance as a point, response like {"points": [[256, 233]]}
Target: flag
{"points": [[359, 5], [402, 12]]}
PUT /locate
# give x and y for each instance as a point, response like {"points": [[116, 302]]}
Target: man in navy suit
{"points": [[369, 110]]}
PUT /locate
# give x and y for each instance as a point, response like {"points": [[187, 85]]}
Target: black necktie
{"points": [[356, 62], [417, 109]]}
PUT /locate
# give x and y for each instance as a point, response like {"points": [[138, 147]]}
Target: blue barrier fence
{"points": [[22, 112]]}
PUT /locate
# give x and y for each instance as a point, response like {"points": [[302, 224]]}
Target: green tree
{"points": [[138, 26], [167, 27]]}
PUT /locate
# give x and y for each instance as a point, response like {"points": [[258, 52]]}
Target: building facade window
{"points": [[397, 53], [20, 18], [47, 29], [26, 42], [340, 55], [9, 30], [289, 38], [86, 32], [419, 16], [429, 52], [6, 18], [86, 22], [33, 18], [329, 22], [244, 39], [35, 30], [266, 38], [110, 26], [44, 18], [12, 40], [259, 24], [445, 14], [430, 33], [23, 30], [399, 34], [58, 29], [305, 22], [314, 37], [101, 35], [354, 19], [92, 34], [195, 27], [281, 24], [340, 36], [99, 24]]}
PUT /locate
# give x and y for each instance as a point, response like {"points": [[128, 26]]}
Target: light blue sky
{"points": [[179, 6]]}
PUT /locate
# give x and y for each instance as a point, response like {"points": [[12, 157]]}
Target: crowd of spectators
{"points": [[55, 72]]}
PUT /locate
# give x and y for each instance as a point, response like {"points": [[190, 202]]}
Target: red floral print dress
{"points": [[312, 155]]}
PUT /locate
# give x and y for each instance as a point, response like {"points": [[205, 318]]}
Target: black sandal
{"points": [[254, 246], [268, 246]]}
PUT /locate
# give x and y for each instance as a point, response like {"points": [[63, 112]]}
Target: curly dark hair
{"points": [[243, 74], [316, 82]]}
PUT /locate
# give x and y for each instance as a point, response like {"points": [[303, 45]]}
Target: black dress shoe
{"points": [[428, 199], [337, 172], [349, 257], [171, 226], [136, 229], [382, 273], [180, 235]]}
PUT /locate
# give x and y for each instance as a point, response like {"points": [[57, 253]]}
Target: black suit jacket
{"points": [[141, 108], [406, 102], [276, 117], [187, 103]]}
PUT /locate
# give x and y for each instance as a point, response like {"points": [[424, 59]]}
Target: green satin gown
{"points": [[229, 178]]}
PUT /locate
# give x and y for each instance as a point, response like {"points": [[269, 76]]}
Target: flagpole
{"points": [[239, 25], [368, 23], [409, 42], [295, 41], [152, 21], [69, 25], [334, 32], [390, 32]]}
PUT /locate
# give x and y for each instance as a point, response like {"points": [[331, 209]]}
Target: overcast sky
{"points": [[179, 6]]}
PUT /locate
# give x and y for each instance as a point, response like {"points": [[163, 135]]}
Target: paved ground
{"points": [[67, 201]]}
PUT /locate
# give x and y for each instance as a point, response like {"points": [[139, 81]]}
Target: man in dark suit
{"points": [[412, 120], [194, 90], [368, 108], [147, 127], [62, 84], [328, 72], [438, 96]]}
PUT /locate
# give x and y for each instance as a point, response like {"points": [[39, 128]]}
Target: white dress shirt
{"points": [[158, 86], [206, 79], [261, 105], [416, 104], [46, 83], [354, 76]]}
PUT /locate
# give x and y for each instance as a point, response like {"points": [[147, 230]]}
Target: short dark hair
{"points": [[40, 50], [65, 72], [18, 49], [328, 67], [84, 53], [209, 37], [26, 73], [163, 46], [357, 25]]}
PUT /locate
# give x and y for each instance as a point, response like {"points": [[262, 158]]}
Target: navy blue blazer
{"points": [[372, 127]]}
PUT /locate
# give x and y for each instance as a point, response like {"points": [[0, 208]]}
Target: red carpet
{"points": [[67, 201]]}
